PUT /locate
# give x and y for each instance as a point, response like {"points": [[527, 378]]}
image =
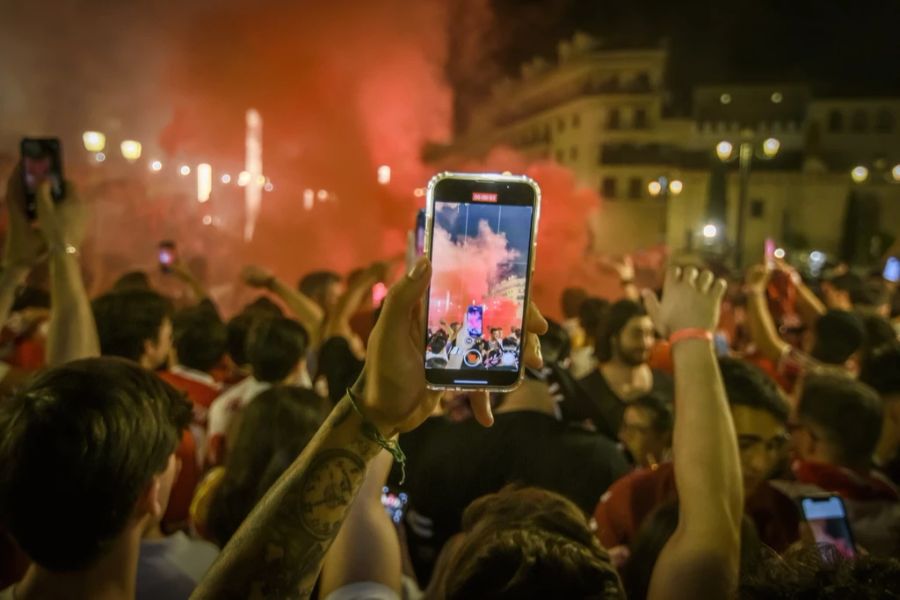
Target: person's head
{"points": [[274, 430], [263, 307], [760, 417], [839, 421], [882, 373], [837, 336], [324, 287], [841, 291], [646, 430], [496, 334], [805, 573], [276, 348], [653, 535], [591, 315], [572, 298], [87, 457], [136, 325], [880, 334], [133, 280], [237, 330], [875, 298], [627, 334], [526, 543], [200, 338]]}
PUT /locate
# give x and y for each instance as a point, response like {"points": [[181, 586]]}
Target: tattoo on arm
{"points": [[279, 549]]}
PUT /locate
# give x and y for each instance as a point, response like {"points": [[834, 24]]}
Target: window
{"points": [[640, 118], [573, 153], [608, 188], [860, 121], [835, 121], [614, 120], [576, 121], [561, 124], [560, 156], [884, 122], [635, 188], [757, 208]]}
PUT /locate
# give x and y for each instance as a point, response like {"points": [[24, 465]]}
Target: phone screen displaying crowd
{"points": [[480, 249]]}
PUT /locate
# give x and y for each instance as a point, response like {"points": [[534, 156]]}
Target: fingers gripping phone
{"points": [[480, 234], [41, 161], [168, 254], [827, 517]]}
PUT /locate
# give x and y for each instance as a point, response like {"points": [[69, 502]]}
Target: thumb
{"points": [[406, 293]]}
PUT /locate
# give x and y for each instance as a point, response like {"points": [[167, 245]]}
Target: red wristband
{"points": [[690, 333]]}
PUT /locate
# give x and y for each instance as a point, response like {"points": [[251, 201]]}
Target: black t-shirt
{"points": [[601, 405], [451, 464]]}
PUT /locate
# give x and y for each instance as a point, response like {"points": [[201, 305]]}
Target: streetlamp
{"points": [[131, 150], [749, 148], [663, 186], [94, 141]]}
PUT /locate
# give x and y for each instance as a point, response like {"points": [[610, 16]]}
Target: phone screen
{"points": [[41, 161], [828, 520], [394, 503], [769, 251], [892, 269], [481, 241], [420, 232], [167, 255]]}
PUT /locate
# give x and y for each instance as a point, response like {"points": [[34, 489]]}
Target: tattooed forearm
{"points": [[279, 549]]}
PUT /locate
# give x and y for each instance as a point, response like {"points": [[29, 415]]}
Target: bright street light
{"points": [[895, 172], [675, 186], [156, 166], [309, 197], [131, 150], [184, 170], [859, 174], [384, 174], [771, 147], [204, 182], [94, 141], [779, 253], [244, 178], [654, 187], [724, 149], [710, 231]]}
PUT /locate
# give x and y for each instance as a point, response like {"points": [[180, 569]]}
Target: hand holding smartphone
{"points": [[41, 161], [480, 234], [168, 255], [827, 518]]}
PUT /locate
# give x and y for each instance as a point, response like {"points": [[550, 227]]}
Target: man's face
{"points": [[157, 353], [331, 294], [633, 344], [645, 444], [497, 334], [762, 441]]}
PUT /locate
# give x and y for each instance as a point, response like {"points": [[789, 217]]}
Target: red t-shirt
{"points": [[632, 498]]}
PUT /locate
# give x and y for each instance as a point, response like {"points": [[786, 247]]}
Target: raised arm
{"points": [[808, 304], [762, 327], [367, 549], [304, 308], [624, 268], [280, 548], [337, 324], [24, 245], [702, 557], [73, 332], [186, 276]]}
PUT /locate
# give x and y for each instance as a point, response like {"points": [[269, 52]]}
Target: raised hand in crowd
{"points": [[279, 550], [624, 268], [701, 558], [337, 322], [304, 308]]}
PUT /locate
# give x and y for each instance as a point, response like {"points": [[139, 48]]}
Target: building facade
{"points": [[662, 174]]}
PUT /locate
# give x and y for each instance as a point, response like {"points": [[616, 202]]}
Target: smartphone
{"points": [[168, 254], [481, 237], [41, 161], [892, 269], [827, 517], [394, 503], [769, 252], [379, 293], [420, 232]]}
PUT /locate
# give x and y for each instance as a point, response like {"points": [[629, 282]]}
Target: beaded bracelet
{"points": [[372, 432]]}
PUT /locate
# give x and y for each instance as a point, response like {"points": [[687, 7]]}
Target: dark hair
{"points": [[839, 334], [879, 334], [616, 319], [200, 337], [275, 345], [663, 419], [555, 344], [805, 573], [528, 543], [653, 535], [339, 367], [126, 320], [79, 446], [874, 293], [275, 428], [133, 280], [848, 412], [591, 315], [748, 385], [572, 299], [850, 283], [237, 330], [314, 284], [882, 371], [263, 307], [30, 297]]}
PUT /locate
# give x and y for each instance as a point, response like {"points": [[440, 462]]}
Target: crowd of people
{"points": [[658, 447]]}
